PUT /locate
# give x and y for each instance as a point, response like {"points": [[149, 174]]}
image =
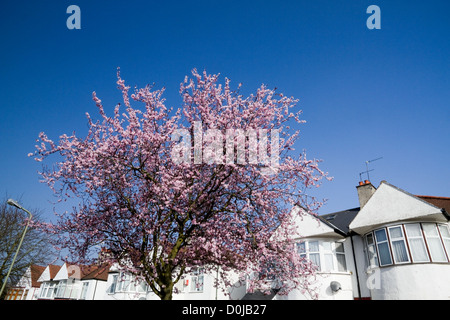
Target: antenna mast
{"points": [[367, 168]]}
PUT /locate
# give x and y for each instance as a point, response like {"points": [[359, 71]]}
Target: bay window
{"points": [[325, 255], [408, 243]]}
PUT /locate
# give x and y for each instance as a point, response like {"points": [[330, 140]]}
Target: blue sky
{"points": [[364, 93]]}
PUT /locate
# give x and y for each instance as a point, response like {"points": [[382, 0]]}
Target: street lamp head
{"points": [[14, 203]]}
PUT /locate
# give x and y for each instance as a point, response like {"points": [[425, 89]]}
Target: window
{"points": [[398, 244], [416, 242], [44, 289], [383, 247], [124, 282], [443, 229], [328, 264], [197, 280], [434, 242], [371, 251], [60, 289], [112, 287], [301, 249], [326, 255], [84, 290], [314, 254], [410, 242], [340, 256], [142, 286], [48, 290]]}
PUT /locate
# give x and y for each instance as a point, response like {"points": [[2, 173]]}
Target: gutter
{"points": [[445, 213]]}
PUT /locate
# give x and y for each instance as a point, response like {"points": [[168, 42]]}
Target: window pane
{"points": [[381, 235], [434, 242], [418, 250], [396, 232], [430, 229], [301, 247], [444, 231], [339, 247], [112, 288], [315, 259], [437, 252], [326, 245], [369, 239], [413, 230], [328, 262], [342, 266], [385, 256], [400, 253], [372, 256], [313, 246]]}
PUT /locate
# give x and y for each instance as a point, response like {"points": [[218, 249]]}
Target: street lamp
{"points": [[14, 203]]}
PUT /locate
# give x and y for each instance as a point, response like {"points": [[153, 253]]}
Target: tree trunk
{"points": [[166, 294]]}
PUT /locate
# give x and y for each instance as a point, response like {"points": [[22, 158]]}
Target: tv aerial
{"points": [[367, 168]]}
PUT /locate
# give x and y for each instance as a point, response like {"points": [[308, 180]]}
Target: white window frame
{"points": [[445, 239], [197, 274], [84, 290], [61, 288], [434, 236], [374, 261], [398, 239], [339, 253], [113, 287], [430, 237], [322, 252], [48, 290], [378, 243], [421, 237]]}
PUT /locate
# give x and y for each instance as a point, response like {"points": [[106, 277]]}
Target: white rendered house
{"points": [[405, 242], [395, 245]]}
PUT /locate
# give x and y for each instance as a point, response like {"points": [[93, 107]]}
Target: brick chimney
{"points": [[365, 191]]}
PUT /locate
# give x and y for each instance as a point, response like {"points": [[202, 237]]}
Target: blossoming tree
{"points": [[157, 216]]}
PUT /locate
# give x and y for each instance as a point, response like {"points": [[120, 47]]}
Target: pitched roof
{"points": [[440, 202], [53, 270], [391, 204], [36, 272], [96, 272], [340, 220]]}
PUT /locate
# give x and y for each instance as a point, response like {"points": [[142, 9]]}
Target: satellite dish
{"points": [[335, 286]]}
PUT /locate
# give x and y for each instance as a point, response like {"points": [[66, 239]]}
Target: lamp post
{"points": [[14, 203]]}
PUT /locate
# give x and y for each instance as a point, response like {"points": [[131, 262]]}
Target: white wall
{"points": [[412, 281], [323, 288]]}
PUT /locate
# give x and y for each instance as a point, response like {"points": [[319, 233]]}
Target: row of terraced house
{"points": [[395, 245]]}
